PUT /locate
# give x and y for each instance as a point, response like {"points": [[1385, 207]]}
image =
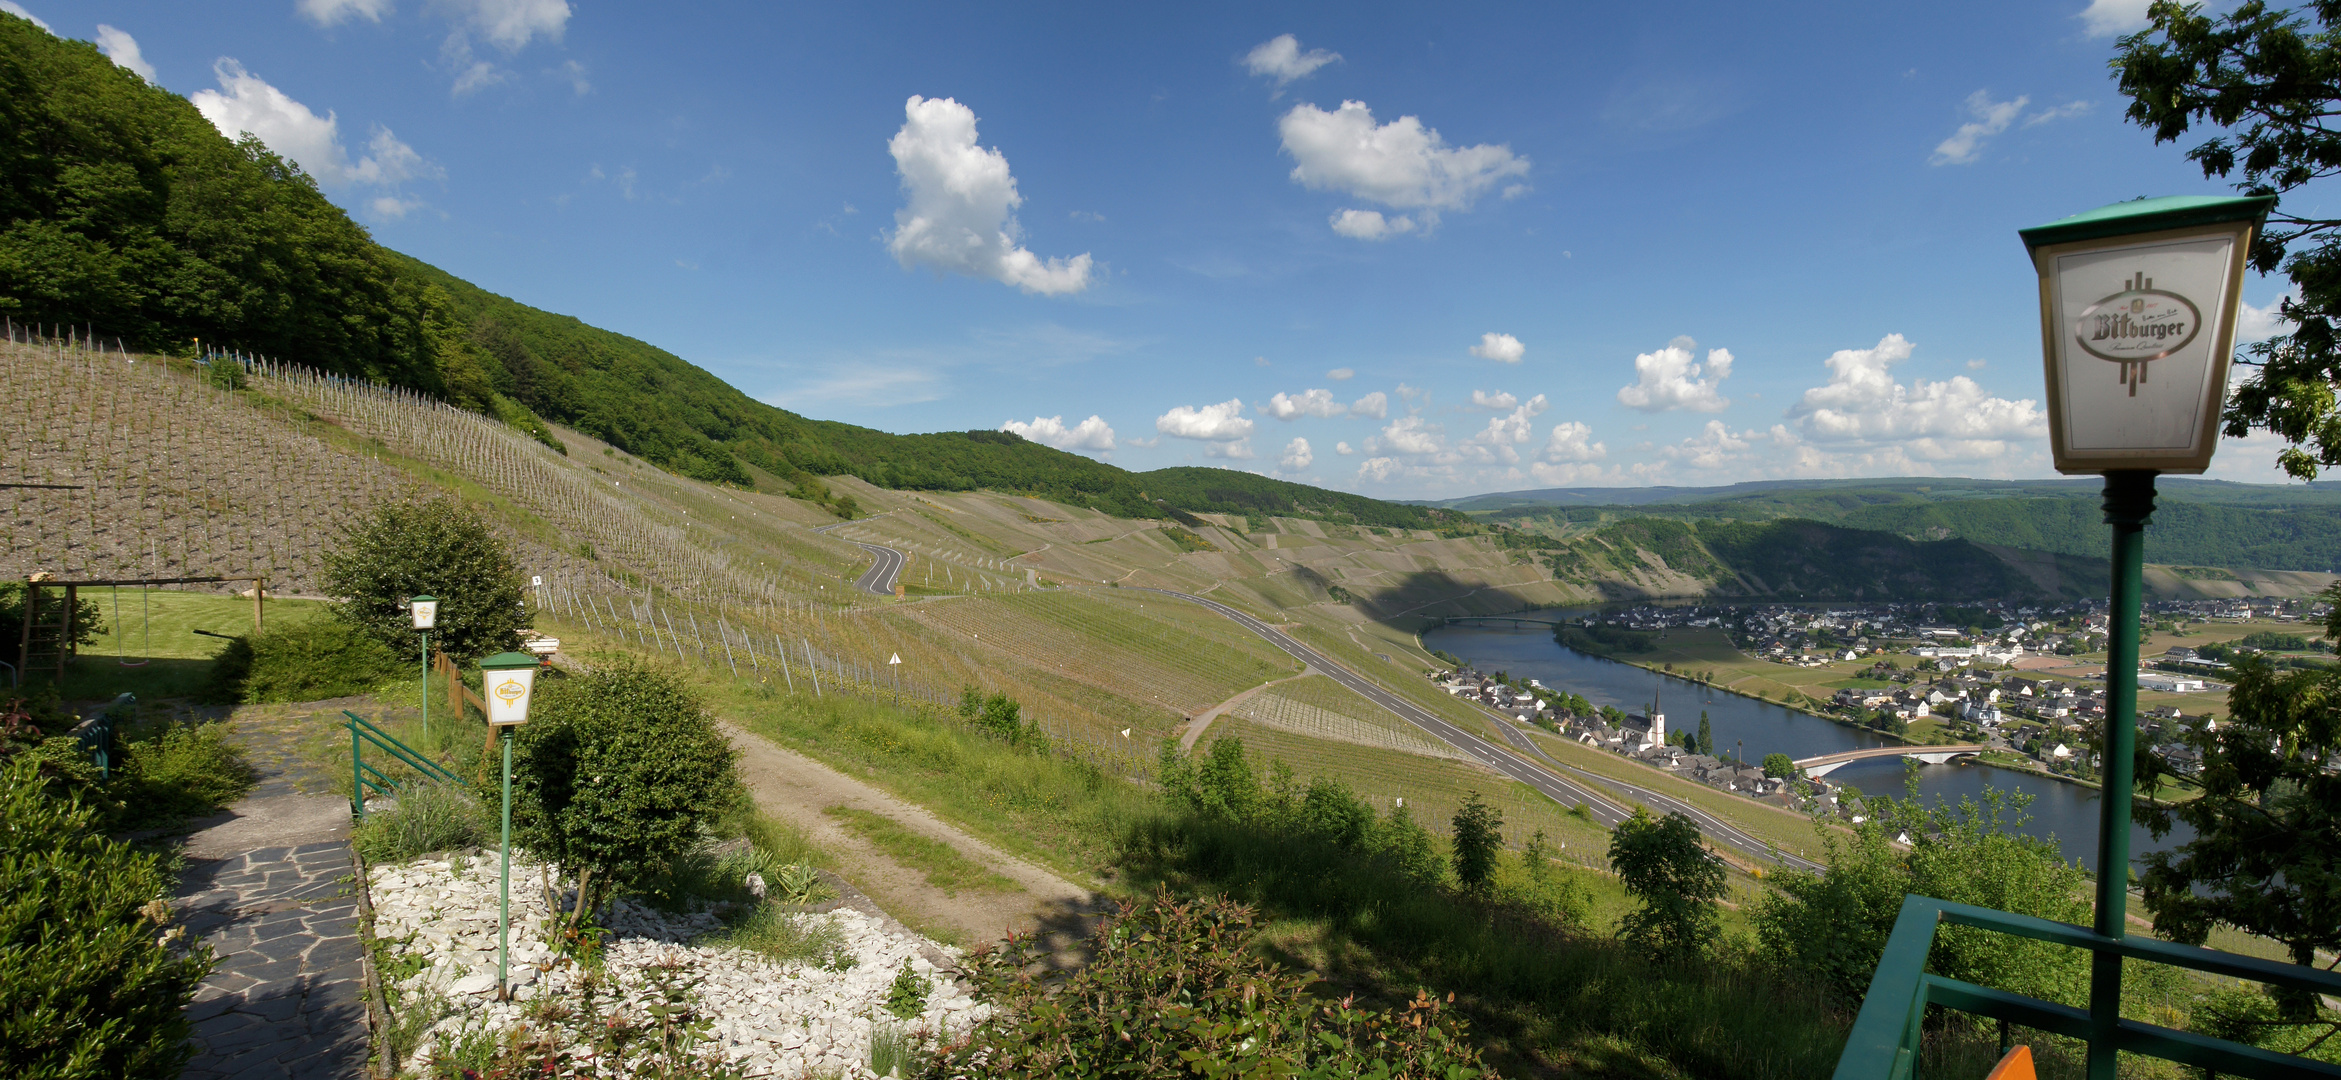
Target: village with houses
{"points": [[2024, 681]]}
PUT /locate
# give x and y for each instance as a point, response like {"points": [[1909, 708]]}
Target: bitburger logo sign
{"points": [[2138, 324]]}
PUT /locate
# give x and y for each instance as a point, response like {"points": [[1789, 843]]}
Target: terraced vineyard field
{"points": [[169, 477], [1119, 651], [1290, 714]]}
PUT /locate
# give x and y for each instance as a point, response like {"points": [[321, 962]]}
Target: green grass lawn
{"points": [[150, 648]]}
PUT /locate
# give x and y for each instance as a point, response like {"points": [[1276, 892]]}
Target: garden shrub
{"points": [[172, 771], [438, 548], [95, 988], [1185, 979], [429, 817], [618, 776], [309, 660]]}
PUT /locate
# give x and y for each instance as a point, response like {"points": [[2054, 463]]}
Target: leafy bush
{"points": [[1833, 927], [906, 996], [92, 988], [617, 776], [998, 715], [437, 548], [429, 817], [172, 771], [1185, 975], [89, 620], [1676, 879], [309, 660]]}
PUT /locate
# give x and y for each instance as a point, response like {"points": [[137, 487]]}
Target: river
{"points": [[2061, 811]]}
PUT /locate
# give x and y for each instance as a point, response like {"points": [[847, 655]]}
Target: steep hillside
{"points": [[2196, 522], [1789, 559], [123, 212]]}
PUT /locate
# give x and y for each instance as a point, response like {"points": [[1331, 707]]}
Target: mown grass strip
{"points": [[944, 866]]}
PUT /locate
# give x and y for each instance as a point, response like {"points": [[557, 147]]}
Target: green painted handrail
{"points": [[1884, 1044], [362, 732]]}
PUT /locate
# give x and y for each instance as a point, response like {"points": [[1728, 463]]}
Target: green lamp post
{"points": [[425, 610], [2137, 318], [506, 682]]}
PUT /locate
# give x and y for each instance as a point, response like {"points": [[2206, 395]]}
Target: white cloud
{"points": [[1481, 399], [1953, 419], [2105, 18], [393, 207], [1965, 145], [2259, 323], [1671, 379], [2066, 111], [1717, 446], [1296, 455], [1344, 449], [1503, 433], [1414, 435], [1369, 224], [334, 12], [122, 49], [1978, 364], [1401, 164], [1280, 58], [1571, 441], [1091, 434], [960, 215], [1224, 422], [506, 24], [1340, 374], [1239, 450], [250, 104], [575, 73], [476, 75], [1376, 405], [1318, 403], [1378, 468], [1501, 348], [16, 9]]}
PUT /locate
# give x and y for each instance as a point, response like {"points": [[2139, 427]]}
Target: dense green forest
{"points": [[123, 211]]}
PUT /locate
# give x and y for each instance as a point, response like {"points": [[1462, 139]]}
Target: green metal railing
{"points": [[1885, 1040], [364, 776]]}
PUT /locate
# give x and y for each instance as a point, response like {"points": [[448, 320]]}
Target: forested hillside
{"points": [[1785, 559], [2196, 523], [123, 211]]}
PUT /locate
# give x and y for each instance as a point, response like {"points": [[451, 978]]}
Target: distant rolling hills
{"points": [[2211, 523]]}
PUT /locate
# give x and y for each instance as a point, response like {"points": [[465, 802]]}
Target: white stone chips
{"points": [[770, 1019]]}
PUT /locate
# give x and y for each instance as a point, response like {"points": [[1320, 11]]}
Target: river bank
{"points": [[1748, 726]]}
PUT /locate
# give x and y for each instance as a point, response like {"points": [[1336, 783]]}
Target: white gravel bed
{"points": [[770, 1019]]}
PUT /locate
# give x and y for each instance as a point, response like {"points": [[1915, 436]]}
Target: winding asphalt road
{"points": [[1577, 787], [879, 578]]}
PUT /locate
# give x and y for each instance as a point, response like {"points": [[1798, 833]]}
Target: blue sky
{"points": [[1473, 247]]}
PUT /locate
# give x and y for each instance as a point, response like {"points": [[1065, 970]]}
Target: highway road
{"points": [[879, 578], [1569, 787]]}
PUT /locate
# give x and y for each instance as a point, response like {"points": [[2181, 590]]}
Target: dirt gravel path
{"points": [[797, 789]]}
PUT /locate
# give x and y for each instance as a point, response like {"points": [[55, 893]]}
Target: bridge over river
{"points": [[1497, 620], [1932, 755]]}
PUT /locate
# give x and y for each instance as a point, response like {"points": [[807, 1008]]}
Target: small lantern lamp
{"points": [[425, 609], [2137, 317], [506, 680]]}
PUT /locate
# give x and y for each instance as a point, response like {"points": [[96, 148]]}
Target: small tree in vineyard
{"points": [[1479, 838], [438, 548]]}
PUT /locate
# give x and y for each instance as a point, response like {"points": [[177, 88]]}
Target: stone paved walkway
{"points": [[268, 886]]}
